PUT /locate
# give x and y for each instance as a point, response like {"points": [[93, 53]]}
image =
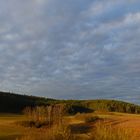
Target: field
{"points": [[9, 130]]}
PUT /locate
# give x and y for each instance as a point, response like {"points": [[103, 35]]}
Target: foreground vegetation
{"points": [[85, 126], [57, 127], [101, 132]]}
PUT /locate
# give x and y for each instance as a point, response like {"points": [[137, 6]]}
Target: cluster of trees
{"points": [[113, 106], [15, 103], [87, 106]]}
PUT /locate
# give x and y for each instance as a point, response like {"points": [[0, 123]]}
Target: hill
{"points": [[15, 103], [74, 106]]}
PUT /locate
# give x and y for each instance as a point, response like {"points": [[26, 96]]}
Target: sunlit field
{"points": [[8, 128], [86, 126]]}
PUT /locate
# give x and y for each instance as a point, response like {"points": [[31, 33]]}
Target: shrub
{"points": [[37, 124], [43, 115]]}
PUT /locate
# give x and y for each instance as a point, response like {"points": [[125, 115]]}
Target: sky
{"points": [[71, 49]]}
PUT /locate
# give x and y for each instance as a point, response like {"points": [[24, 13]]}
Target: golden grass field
{"points": [[9, 130]]}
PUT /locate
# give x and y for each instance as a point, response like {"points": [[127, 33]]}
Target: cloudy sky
{"points": [[71, 49]]}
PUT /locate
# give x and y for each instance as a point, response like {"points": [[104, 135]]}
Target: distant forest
{"points": [[15, 103]]}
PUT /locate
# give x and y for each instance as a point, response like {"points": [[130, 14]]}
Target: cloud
{"points": [[70, 49]]}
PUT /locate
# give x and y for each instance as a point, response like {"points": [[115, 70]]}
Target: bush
{"points": [[43, 115], [31, 124]]}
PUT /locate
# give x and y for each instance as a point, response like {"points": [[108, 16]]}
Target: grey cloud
{"points": [[70, 49]]}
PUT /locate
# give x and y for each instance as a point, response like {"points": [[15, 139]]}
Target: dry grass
{"points": [[8, 129], [101, 131], [53, 133], [87, 117], [56, 128], [105, 132]]}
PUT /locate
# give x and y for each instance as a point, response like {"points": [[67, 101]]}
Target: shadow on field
{"points": [[10, 137], [80, 128]]}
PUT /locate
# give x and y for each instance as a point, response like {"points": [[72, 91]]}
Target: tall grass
{"points": [[60, 130], [54, 133], [105, 132], [43, 115], [101, 132], [56, 127]]}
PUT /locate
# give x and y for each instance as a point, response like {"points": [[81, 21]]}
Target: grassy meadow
{"points": [[8, 128], [85, 126]]}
